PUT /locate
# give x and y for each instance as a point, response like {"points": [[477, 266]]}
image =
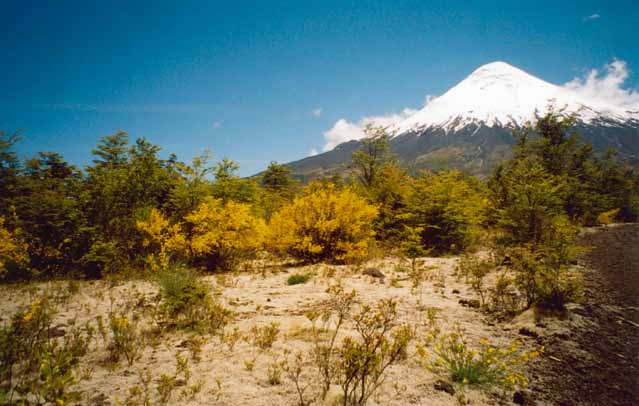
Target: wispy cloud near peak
{"points": [[605, 87]]}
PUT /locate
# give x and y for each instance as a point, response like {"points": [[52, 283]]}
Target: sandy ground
{"points": [[258, 300]]}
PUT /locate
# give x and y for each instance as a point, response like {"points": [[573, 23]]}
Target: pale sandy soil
{"points": [[261, 299]]}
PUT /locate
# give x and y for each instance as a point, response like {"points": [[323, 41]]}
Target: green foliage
{"points": [[277, 177], [48, 213], [298, 278], [192, 187], [383, 183], [186, 302], [122, 182], [229, 187], [125, 339], [62, 220], [531, 199], [9, 170], [278, 188], [475, 269], [543, 273], [552, 183], [180, 289], [449, 208], [590, 185], [390, 193], [488, 365], [36, 365], [372, 156], [412, 246]]}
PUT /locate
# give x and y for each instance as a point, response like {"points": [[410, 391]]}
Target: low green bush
{"points": [[186, 302], [487, 364], [298, 278]]}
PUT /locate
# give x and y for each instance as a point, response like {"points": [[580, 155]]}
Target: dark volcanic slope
{"points": [[609, 375], [475, 149]]}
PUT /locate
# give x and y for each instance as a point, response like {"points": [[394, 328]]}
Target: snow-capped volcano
{"points": [[498, 94], [470, 126]]}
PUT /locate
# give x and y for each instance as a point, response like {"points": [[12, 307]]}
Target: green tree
{"points": [[529, 199], [277, 177], [9, 170], [230, 187], [112, 150], [369, 160], [49, 213], [122, 182], [390, 194], [278, 188], [191, 186], [592, 185], [448, 208]]}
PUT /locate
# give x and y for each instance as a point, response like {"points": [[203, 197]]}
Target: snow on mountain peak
{"points": [[499, 94]]}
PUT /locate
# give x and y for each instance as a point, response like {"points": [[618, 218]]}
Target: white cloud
{"points": [[317, 112], [592, 17], [217, 124], [344, 130], [312, 152], [605, 88]]}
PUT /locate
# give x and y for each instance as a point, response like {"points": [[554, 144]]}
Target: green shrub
{"points": [[180, 289], [264, 337], [186, 302], [474, 269], [362, 361], [125, 339], [298, 278], [447, 209], [543, 272], [487, 365], [359, 363], [34, 364]]}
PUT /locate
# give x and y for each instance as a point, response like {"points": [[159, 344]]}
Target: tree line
{"points": [[131, 210]]}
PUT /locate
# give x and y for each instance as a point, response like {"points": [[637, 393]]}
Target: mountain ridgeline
{"points": [[471, 126]]}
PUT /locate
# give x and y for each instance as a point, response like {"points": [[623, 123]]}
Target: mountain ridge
{"points": [[470, 126]]}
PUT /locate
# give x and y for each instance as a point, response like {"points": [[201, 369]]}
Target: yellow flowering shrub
{"points": [[487, 364], [607, 217], [163, 239], [325, 223], [222, 234], [13, 251]]}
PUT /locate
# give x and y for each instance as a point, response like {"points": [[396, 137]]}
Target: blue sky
{"points": [[262, 81]]}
